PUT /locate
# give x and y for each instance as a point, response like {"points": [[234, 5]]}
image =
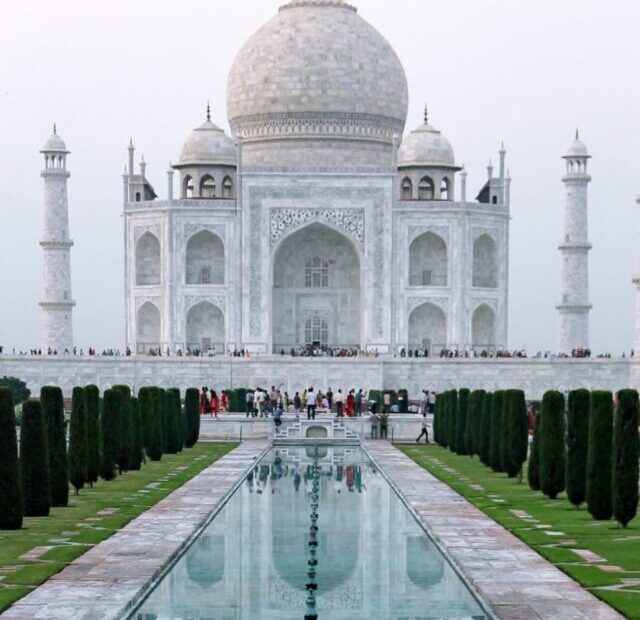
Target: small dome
{"points": [[577, 148], [209, 145], [426, 146], [55, 143]]}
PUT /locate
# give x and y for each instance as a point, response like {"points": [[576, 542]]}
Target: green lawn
{"points": [[555, 529], [91, 517]]}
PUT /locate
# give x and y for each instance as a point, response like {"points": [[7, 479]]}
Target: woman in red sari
{"points": [[215, 404], [224, 401], [204, 401], [351, 404]]}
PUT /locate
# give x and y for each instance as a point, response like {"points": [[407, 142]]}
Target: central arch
{"points": [[316, 290], [428, 328], [205, 328]]}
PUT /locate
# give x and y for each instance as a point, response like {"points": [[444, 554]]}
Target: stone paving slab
{"points": [[512, 579], [101, 584]]}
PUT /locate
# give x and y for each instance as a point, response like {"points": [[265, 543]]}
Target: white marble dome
{"points": [[317, 69], [55, 143], [577, 148], [208, 145], [426, 146]]}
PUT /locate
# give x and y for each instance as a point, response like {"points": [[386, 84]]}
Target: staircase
{"points": [[321, 430]]}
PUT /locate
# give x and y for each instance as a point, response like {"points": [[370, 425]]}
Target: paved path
{"points": [[100, 584], [514, 580]]}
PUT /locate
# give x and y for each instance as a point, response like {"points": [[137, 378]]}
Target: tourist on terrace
{"points": [[204, 401], [424, 432], [384, 423], [277, 416], [330, 399], [431, 402], [297, 404], [424, 402], [249, 399], [215, 404], [224, 401], [375, 420], [358, 399], [339, 400], [351, 404], [311, 404], [386, 399]]}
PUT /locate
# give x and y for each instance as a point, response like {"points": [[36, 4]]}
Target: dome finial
{"points": [[426, 114], [208, 112], [577, 134], [55, 130]]}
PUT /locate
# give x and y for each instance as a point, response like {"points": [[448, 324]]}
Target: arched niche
{"points": [[316, 273], [148, 260], [205, 328], [205, 259], [485, 262], [428, 261], [428, 328], [147, 327], [483, 329]]}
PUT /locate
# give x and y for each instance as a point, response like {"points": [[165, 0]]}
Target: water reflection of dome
{"points": [[205, 561], [425, 567], [338, 550]]}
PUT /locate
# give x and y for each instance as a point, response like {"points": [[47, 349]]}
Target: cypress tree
{"points": [[136, 456], [485, 428], [496, 430], [437, 419], [599, 463], [552, 448], [461, 422], [145, 407], [10, 487], [192, 416], [625, 458], [92, 413], [126, 428], [174, 421], [52, 403], [34, 461], [518, 432], [78, 441], [110, 423], [577, 442], [452, 419], [533, 470], [504, 434], [164, 419], [155, 447], [474, 423]]}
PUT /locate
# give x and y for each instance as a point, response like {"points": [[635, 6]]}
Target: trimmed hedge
{"points": [[174, 421], [517, 425], [577, 445], [496, 430], [10, 487], [164, 418], [137, 455], [126, 428], [78, 441], [52, 403], [155, 447], [92, 413], [485, 428], [192, 416], [552, 448], [533, 470], [110, 426], [474, 423], [625, 458], [34, 461], [599, 500], [437, 419]]}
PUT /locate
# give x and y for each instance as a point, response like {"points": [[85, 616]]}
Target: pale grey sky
{"points": [[524, 71]]}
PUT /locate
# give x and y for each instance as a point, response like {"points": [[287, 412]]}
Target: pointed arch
{"points": [[205, 328], [407, 189], [485, 262], [187, 186], [148, 260], [147, 327], [428, 261], [483, 329], [227, 187], [205, 262], [445, 189], [207, 187], [428, 328], [425, 188]]}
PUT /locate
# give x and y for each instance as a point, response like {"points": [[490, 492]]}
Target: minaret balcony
{"points": [[61, 304], [56, 244], [574, 308], [575, 247]]}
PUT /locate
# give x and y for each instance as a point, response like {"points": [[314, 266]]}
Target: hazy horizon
{"points": [[524, 72]]}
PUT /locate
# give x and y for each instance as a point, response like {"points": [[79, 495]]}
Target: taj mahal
{"points": [[321, 222]]}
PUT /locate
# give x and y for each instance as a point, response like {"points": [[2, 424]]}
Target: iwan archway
{"points": [[316, 296]]}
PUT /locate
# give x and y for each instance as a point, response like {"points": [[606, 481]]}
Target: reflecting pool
{"points": [[313, 532]]}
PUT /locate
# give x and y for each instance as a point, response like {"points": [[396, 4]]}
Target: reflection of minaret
{"points": [[312, 585], [574, 306], [56, 304]]}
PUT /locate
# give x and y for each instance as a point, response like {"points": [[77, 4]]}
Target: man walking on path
{"points": [[424, 432]]}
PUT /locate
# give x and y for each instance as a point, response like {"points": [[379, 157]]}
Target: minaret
{"points": [[574, 306], [57, 304], [636, 281]]}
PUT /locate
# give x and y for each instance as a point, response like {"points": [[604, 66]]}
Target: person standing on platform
{"points": [[311, 404], [339, 400], [351, 404], [386, 401], [215, 404], [384, 423], [297, 404], [358, 399], [249, 399], [330, 399]]}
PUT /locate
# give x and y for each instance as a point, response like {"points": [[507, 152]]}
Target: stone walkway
{"points": [[101, 584], [515, 582]]}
